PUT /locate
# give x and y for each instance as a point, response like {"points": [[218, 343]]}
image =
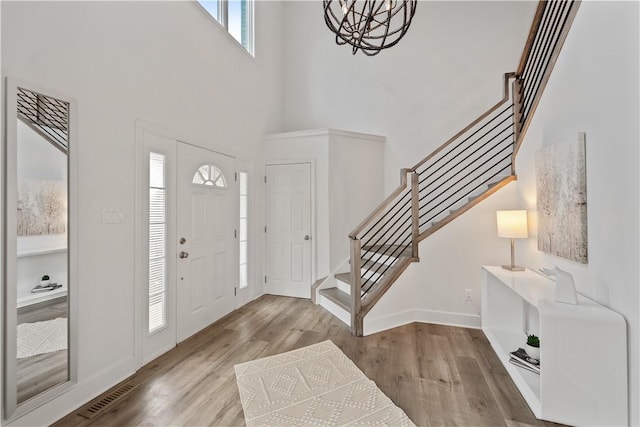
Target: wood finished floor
{"points": [[39, 373], [439, 375]]}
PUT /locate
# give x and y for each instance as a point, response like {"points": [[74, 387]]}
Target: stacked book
{"points": [[45, 288], [522, 360]]}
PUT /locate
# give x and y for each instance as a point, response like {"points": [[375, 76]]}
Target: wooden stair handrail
{"points": [[382, 206], [531, 37], [505, 98]]}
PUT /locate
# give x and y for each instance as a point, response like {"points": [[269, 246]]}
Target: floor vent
{"points": [[102, 403]]}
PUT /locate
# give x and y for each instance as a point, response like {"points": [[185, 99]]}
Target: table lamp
{"points": [[512, 225]]}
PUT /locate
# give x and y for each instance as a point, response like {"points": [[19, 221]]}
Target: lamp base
{"points": [[513, 267]]}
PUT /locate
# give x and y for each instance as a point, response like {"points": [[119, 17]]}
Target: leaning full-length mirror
{"points": [[37, 262]]}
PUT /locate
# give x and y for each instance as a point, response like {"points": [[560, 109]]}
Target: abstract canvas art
{"points": [[561, 187], [42, 207]]}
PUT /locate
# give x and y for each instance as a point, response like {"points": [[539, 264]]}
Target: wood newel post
{"points": [[517, 116], [356, 287], [415, 214]]}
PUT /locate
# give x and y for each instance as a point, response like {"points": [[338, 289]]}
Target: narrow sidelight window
{"points": [[244, 230], [157, 242]]}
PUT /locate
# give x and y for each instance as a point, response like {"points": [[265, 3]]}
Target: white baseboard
{"points": [[78, 395], [449, 318], [379, 324]]}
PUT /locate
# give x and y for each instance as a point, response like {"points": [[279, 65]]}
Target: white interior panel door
{"points": [[206, 273], [289, 229]]}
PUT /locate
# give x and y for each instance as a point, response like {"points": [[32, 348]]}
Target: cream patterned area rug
{"points": [[42, 337], [313, 386]]}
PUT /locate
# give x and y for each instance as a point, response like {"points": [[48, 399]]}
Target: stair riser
{"points": [[336, 310], [365, 274], [343, 286]]}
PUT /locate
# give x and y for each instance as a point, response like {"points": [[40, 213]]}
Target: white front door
{"points": [[188, 262], [288, 189], [207, 204]]}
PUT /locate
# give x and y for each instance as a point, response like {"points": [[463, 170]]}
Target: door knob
{"points": [[307, 237], [183, 255]]}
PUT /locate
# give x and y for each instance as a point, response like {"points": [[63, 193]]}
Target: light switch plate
{"points": [[112, 216]]}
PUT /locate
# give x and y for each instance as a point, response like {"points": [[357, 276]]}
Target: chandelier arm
{"points": [[402, 29], [386, 30], [328, 14], [373, 4], [362, 29]]}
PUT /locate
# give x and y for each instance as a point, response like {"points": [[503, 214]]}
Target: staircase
{"points": [[475, 163]]}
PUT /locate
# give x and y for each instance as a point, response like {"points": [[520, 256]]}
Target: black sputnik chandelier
{"points": [[369, 25]]}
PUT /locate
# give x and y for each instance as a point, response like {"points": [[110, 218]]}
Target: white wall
{"points": [[594, 89], [444, 73], [348, 182], [164, 62], [356, 183]]}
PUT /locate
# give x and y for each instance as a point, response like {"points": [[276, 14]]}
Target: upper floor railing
{"points": [[549, 30]]}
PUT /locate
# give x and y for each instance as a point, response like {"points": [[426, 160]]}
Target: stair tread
{"points": [[369, 266], [337, 296], [344, 277]]}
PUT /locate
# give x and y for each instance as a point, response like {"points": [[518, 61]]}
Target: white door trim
{"points": [[140, 224], [313, 216]]}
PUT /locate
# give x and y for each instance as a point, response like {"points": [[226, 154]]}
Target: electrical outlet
{"points": [[468, 296]]}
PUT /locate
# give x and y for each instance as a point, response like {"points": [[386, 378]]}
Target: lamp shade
{"points": [[512, 224]]}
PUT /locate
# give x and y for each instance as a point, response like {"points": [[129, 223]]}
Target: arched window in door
{"points": [[210, 176]]}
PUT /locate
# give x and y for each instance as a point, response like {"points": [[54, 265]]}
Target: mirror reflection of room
{"points": [[42, 252]]}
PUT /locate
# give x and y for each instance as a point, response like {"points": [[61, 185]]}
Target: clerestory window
{"points": [[236, 16]]}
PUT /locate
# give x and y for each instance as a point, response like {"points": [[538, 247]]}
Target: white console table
{"points": [[583, 348]]}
